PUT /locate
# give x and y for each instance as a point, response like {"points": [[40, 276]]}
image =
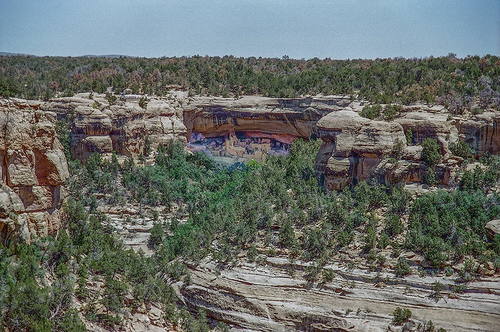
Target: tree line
{"points": [[455, 82]]}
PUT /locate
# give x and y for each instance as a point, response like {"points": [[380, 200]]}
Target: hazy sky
{"points": [[270, 28]]}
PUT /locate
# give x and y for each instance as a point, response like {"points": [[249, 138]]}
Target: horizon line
{"points": [[283, 57]]}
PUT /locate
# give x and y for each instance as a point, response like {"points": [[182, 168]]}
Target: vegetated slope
{"points": [[448, 80], [244, 213]]}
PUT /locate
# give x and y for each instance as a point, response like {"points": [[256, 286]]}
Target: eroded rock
{"points": [[493, 228], [268, 298], [253, 126], [356, 149], [124, 127], [33, 171]]}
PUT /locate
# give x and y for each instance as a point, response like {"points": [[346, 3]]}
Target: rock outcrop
{"points": [[254, 126], [482, 132], [33, 170], [355, 149], [267, 297], [124, 126], [493, 228], [353, 146]]}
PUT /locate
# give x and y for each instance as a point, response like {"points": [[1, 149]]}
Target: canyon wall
{"points": [[267, 297], [355, 149], [33, 167], [33, 170], [123, 126], [254, 126], [482, 132]]}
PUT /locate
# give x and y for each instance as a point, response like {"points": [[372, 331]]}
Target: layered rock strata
{"points": [[254, 126], [127, 126], [482, 132], [355, 149], [252, 297], [33, 170]]}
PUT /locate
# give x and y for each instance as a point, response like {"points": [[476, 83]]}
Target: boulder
{"points": [[493, 228]]}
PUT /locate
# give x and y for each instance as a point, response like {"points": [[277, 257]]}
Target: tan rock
{"points": [[9, 201], [35, 198], [493, 227], [267, 298], [354, 146], [378, 149], [20, 168], [33, 170], [425, 124], [254, 126], [482, 132], [124, 127]]}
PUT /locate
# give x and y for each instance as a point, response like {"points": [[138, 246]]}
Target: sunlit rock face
{"points": [[353, 147], [356, 149], [125, 126], [267, 297], [482, 132], [253, 127], [33, 170]]}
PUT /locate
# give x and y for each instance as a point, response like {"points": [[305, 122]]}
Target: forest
{"points": [[457, 83]]}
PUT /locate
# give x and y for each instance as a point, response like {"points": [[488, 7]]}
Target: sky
{"points": [[337, 29]]}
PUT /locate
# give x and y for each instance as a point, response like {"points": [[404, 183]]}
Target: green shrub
{"points": [[316, 243], [409, 137], [371, 111], [391, 112], [143, 102], [401, 316], [393, 225], [461, 149], [430, 176], [481, 178], [328, 275], [287, 235], [431, 152], [111, 98], [442, 222], [157, 234], [402, 268]]}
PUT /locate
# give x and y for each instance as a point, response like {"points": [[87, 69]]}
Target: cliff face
{"points": [[254, 126], [355, 149], [267, 297], [482, 132], [33, 170], [124, 127], [353, 146]]}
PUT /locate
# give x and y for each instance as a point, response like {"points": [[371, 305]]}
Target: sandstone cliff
{"points": [[254, 126], [482, 132], [123, 126], [267, 297], [355, 149], [33, 170]]}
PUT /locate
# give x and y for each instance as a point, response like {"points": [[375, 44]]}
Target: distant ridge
{"points": [[108, 56], [12, 54], [113, 56]]}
